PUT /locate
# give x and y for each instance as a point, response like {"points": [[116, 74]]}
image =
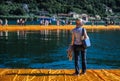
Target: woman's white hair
{"points": [[82, 21]]}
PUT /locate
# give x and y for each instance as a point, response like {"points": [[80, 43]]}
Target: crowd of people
{"points": [[58, 22], [110, 23], [63, 22], [21, 21], [45, 22]]}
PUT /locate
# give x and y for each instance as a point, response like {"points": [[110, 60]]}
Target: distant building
{"points": [[84, 17], [42, 13], [74, 15], [71, 14], [25, 7], [62, 15], [98, 17], [108, 9]]}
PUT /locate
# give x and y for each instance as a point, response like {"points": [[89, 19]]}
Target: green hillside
{"points": [[32, 7]]}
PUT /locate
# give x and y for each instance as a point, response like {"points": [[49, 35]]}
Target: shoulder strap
{"points": [[83, 31]]}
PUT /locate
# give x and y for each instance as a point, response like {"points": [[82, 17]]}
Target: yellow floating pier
{"points": [[57, 75], [54, 27]]}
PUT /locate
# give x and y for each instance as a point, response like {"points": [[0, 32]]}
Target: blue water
{"points": [[47, 49]]}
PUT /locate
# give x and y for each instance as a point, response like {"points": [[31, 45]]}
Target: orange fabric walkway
{"points": [[54, 27], [57, 75]]}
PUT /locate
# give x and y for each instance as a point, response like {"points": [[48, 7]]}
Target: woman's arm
{"points": [[85, 34], [72, 40]]}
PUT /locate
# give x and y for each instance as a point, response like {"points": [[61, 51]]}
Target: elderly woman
{"points": [[77, 38]]}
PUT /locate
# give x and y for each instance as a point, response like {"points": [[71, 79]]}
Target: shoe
{"points": [[83, 73], [76, 74]]}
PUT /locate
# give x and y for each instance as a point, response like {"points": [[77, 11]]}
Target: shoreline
{"points": [[55, 27], [58, 75]]}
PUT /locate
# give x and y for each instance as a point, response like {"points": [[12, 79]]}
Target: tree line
{"points": [[91, 7]]}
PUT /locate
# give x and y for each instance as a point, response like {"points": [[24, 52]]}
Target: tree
{"points": [[19, 11], [3, 11]]}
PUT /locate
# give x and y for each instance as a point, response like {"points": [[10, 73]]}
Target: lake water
{"points": [[47, 49]]}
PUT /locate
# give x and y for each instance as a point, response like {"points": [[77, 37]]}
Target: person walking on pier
{"points": [[78, 47], [1, 22], [6, 22]]}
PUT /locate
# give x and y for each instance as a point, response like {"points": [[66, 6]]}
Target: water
{"points": [[47, 49]]}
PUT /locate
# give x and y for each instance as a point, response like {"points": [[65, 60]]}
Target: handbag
{"points": [[69, 52], [86, 42]]}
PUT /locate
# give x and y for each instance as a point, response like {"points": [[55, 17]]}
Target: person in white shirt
{"points": [[78, 47]]}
